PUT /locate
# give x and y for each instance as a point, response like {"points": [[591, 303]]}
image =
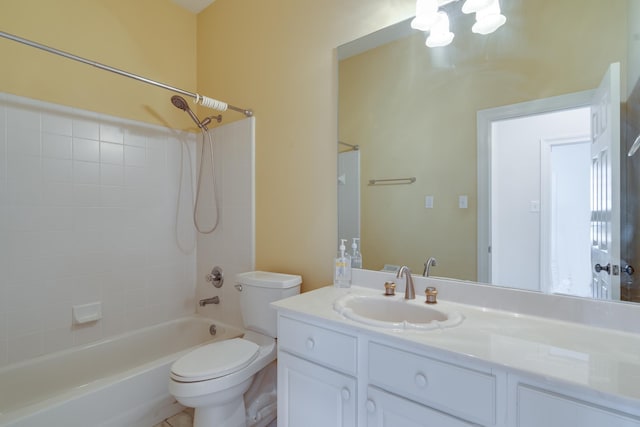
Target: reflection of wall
{"points": [[412, 111]]}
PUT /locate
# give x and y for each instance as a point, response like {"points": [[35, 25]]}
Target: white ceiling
{"points": [[195, 6]]}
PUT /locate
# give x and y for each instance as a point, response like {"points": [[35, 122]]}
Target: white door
{"points": [[605, 186], [388, 410], [310, 395]]}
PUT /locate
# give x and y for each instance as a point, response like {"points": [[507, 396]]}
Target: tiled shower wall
{"points": [[89, 212]]}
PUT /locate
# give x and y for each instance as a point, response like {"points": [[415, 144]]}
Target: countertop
{"points": [[596, 359]]}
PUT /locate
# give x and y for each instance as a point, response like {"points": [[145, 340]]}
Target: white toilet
{"points": [[213, 378]]}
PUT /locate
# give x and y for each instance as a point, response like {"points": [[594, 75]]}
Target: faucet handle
{"points": [[389, 288], [431, 294]]}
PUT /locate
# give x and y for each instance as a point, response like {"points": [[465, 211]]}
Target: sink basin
{"points": [[395, 312]]}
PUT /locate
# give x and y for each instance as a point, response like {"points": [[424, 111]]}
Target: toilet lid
{"points": [[215, 360]]}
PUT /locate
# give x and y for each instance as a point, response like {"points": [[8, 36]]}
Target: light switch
{"points": [[428, 202], [463, 202], [534, 206]]}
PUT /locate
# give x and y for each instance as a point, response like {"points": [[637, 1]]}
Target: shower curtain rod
{"points": [[199, 99], [353, 147]]}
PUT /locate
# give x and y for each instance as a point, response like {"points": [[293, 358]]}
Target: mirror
{"points": [[408, 111]]}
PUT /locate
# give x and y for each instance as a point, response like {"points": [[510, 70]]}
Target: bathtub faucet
{"points": [[212, 300]]}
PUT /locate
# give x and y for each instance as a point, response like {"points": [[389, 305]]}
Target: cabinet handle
{"points": [[420, 380], [371, 406], [310, 343], [346, 394]]}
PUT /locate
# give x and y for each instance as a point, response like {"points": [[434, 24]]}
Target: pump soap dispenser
{"points": [[342, 268], [356, 256]]}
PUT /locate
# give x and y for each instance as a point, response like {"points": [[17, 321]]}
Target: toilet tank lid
{"points": [[266, 279]]}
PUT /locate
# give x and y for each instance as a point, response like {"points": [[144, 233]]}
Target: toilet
{"points": [[214, 378]]}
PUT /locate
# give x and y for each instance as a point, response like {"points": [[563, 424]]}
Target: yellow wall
{"points": [[413, 111], [274, 56], [151, 38], [278, 58]]}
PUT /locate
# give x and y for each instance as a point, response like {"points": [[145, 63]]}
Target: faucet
{"points": [[431, 262], [409, 290], [212, 300]]}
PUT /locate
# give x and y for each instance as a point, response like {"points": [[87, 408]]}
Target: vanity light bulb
{"points": [[440, 34], [426, 15], [472, 6], [489, 19]]}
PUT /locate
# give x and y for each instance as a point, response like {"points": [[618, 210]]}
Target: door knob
{"points": [[600, 268]]}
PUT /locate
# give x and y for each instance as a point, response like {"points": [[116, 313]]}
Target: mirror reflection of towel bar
{"points": [[392, 181]]}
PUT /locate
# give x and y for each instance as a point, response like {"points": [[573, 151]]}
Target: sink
{"points": [[395, 312]]}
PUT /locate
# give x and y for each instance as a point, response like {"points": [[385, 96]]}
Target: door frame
{"points": [[485, 118]]}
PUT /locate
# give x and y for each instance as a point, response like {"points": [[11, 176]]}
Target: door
{"points": [[388, 410], [310, 395], [605, 186]]}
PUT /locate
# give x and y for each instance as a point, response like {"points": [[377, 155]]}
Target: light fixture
{"points": [[426, 15], [472, 6], [440, 34], [489, 19], [428, 18]]}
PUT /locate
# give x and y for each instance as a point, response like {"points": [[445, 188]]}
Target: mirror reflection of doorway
{"points": [[534, 198]]}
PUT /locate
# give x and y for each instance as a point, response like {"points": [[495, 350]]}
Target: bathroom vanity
{"points": [[495, 368]]}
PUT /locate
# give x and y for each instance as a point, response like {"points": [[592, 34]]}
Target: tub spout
{"points": [[212, 300]]}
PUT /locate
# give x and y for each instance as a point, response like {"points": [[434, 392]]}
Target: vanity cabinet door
{"points": [[388, 410], [310, 395], [538, 407]]}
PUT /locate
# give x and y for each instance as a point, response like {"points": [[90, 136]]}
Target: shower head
{"points": [[181, 103]]}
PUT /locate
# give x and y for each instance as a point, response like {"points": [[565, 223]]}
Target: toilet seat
{"points": [[214, 360]]}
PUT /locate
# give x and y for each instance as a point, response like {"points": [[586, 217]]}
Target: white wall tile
{"points": [[111, 174], [86, 129], [86, 150], [110, 133], [23, 141], [82, 219], [58, 170], [56, 146], [111, 153], [57, 124], [134, 156], [25, 118], [86, 173]]}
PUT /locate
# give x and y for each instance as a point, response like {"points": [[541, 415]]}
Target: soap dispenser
{"points": [[342, 268], [356, 256]]}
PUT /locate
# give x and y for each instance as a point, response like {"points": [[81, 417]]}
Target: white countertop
{"points": [[601, 360]]}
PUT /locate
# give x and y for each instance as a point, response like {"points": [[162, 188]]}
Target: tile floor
{"points": [[181, 419]]}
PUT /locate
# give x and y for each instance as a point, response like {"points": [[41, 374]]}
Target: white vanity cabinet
{"points": [[319, 375], [446, 390], [317, 384]]}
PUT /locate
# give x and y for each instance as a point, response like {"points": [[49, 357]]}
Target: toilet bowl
{"points": [[214, 378]]}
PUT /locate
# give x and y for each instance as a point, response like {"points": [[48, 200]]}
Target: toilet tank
{"points": [[258, 289]]}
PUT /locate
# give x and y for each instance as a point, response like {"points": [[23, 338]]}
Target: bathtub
{"points": [[121, 381]]}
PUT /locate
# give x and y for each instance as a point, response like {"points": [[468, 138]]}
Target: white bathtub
{"points": [[122, 381]]}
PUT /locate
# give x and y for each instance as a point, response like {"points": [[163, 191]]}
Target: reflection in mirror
{"points": [[435, 114]]}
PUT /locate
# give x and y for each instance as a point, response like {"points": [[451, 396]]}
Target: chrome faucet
{"points": [[212, 300], [431, 262], [409, 289]]}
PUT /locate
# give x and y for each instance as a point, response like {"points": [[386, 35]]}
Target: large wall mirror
{"points": [[481, 154]]}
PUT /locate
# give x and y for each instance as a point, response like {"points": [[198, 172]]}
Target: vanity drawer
{"points": [[324, 346], [463, 392]]}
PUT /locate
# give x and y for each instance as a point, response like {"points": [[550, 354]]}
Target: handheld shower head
{"points": [[181, 103]]}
